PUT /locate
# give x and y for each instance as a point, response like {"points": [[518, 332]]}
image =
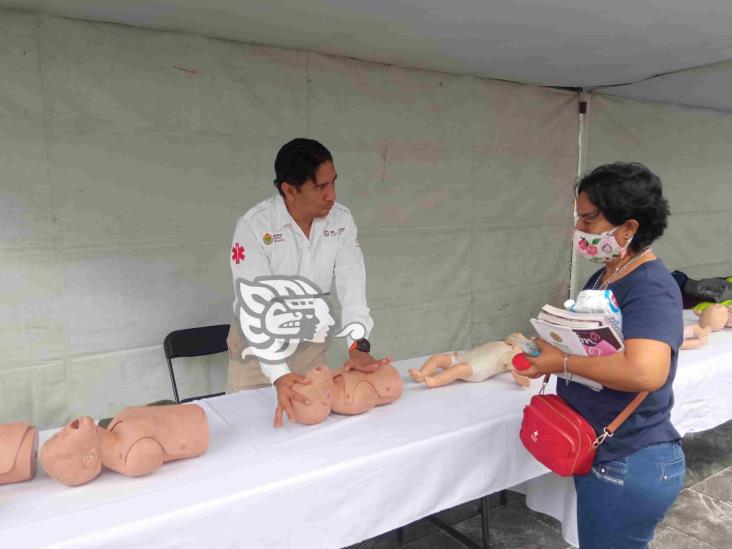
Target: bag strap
{"points": [[609, 431], [629, 409]]}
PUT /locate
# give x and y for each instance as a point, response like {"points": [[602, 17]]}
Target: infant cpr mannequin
{"points": [[346, 392], [695, 336], [18, 452], [357, 392], [712, 318], [138, 441], [476, 365], [320, 394], [715, 316]]}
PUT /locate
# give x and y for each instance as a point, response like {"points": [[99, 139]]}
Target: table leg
{"points": [[459, 536], [448, 529], [484, 516]]}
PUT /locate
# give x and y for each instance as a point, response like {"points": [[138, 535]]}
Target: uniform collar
{"points": [[282, 217]]}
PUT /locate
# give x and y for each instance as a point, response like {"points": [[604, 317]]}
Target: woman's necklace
{"points": [[618, 271]]}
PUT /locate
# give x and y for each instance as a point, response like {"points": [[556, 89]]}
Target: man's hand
{"points": [[364, 362], [286, 395]]}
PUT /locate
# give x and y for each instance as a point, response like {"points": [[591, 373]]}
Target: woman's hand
{"points": [[549, 361]]}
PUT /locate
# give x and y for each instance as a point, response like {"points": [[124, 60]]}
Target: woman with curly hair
{"points": [[639, 471]]}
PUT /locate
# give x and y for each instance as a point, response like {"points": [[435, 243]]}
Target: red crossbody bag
{"points": [[560, 438]]}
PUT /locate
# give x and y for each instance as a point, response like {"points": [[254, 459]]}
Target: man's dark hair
{"points": [[297, 162], [623, 191]]}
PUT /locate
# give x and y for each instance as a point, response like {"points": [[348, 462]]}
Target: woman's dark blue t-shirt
{"points": [[650, 301]]}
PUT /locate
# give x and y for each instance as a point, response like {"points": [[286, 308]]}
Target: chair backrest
{"points": [[206, 340]]}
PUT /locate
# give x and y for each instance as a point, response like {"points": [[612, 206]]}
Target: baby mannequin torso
{"points": [[487, 360], [357, 392]]}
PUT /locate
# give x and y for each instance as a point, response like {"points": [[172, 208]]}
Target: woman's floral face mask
{"points": [[600, 248]]}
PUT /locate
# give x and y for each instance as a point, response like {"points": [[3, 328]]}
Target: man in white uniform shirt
{"points": [[300, 231]]}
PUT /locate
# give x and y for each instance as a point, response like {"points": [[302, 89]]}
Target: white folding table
{"points": [[333, 484]]}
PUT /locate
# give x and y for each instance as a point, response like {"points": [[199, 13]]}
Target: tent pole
{"points": [[583, 99]]}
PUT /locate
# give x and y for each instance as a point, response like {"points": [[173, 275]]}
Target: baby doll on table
{"points": [[494, 357], [713, 317], [475, 365]]}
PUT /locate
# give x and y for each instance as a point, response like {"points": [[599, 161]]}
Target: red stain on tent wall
{"points": [[433, 199]]}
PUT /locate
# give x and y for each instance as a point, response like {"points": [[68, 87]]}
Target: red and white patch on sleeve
{"points": [[237, 253]]}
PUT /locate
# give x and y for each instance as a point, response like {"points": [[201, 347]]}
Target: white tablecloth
{"points": [[333, 484], [702, 400], [328, 485]]}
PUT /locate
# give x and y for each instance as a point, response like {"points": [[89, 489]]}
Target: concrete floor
{"points": [[701, 517]]}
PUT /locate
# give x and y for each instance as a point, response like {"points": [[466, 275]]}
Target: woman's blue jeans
{"points": [[620, 502]]}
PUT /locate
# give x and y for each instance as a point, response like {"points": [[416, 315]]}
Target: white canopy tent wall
{"points": [[128, 154]]}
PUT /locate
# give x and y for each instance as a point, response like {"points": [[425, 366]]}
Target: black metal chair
{"points": [[206, 340]]}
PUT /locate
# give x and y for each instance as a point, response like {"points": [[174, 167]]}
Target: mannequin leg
{"points": [[435, 362], [694, 330], [524, 382], [459, 371], [695, 336], [694, 343]]}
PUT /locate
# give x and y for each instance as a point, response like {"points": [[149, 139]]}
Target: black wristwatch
{"points": [[363, 345]]}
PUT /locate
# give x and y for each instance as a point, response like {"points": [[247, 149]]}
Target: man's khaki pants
{"points": [[247, 373]]}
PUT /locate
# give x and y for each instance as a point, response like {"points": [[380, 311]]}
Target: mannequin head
{"points": [[714, 317], [71, 456], [320, 393]]}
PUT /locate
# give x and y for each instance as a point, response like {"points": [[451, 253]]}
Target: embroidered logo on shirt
{"points": [[535, 436], [237, 253], [269, 238], [326, 232]]}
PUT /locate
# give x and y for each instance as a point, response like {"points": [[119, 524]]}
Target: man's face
{"points": [[316, 198]]}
